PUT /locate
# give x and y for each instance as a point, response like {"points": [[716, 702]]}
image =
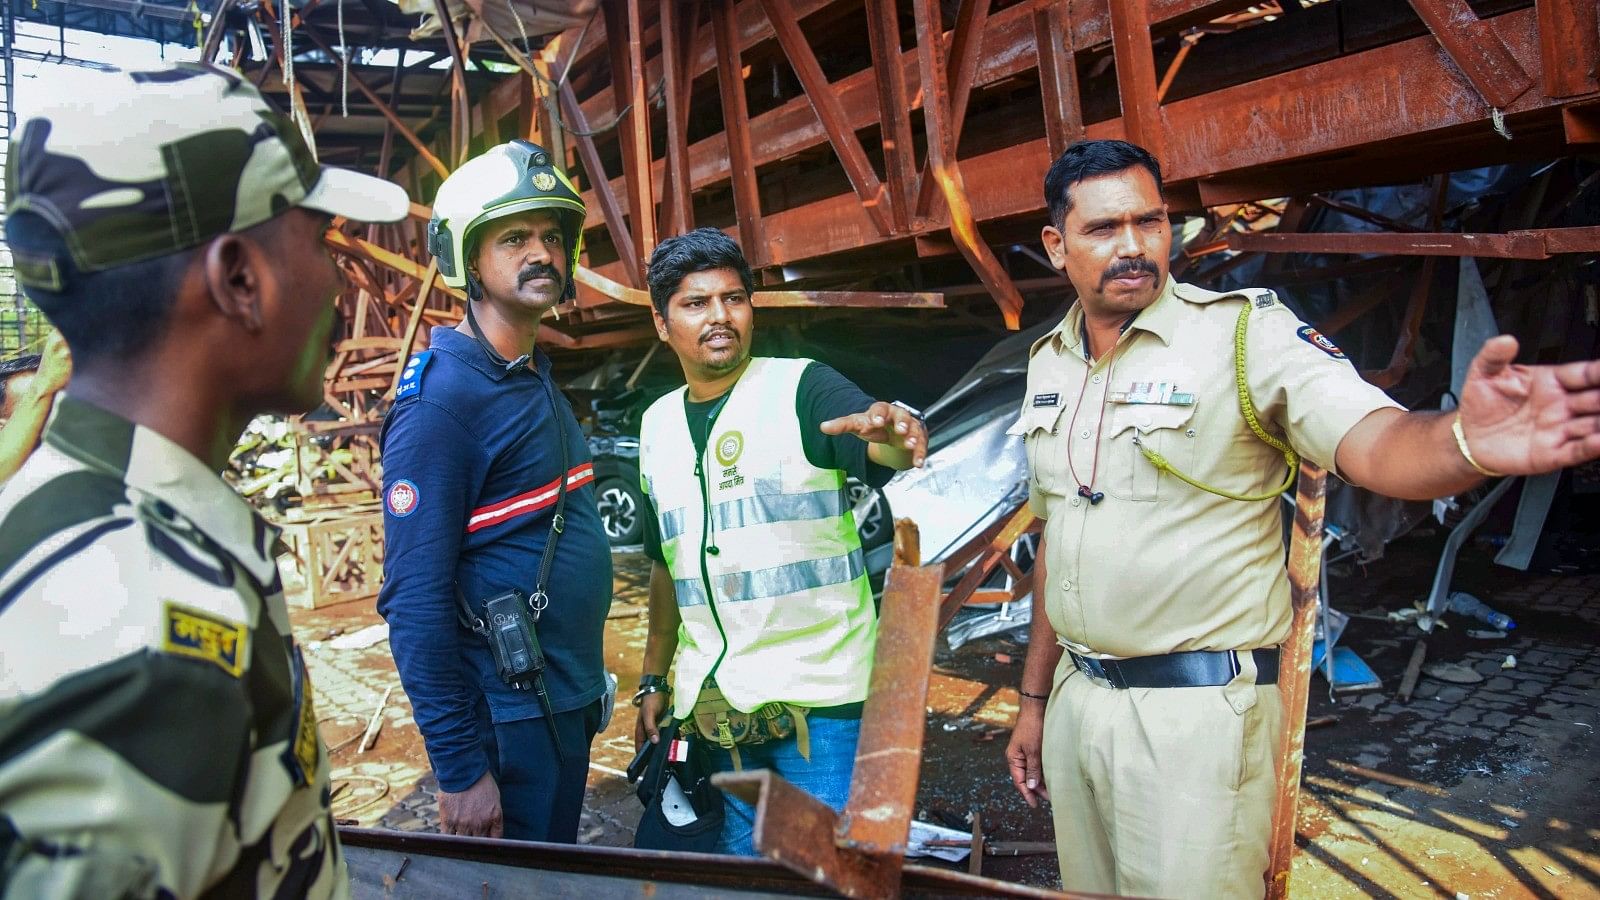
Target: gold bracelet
{"points": [[1461, 444]]}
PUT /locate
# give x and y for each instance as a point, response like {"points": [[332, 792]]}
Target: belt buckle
{"points": [[1096, 668]]}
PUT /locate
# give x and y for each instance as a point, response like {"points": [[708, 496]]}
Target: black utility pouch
{"points": [[513, 639]]}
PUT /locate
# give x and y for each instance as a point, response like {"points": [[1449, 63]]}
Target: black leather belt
{"points": [[1195, 668]]}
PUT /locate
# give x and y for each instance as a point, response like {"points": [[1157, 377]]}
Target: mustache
{"points": [[538, 270], [720, 329], [1127, 267]]}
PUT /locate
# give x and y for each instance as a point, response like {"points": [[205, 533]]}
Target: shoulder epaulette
{"points": [[411, 378]]}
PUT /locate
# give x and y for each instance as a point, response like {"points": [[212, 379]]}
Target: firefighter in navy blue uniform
{"points": [[473, 466]]}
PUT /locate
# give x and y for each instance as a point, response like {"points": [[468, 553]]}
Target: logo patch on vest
{"points": [[729, 447], [1320, 341], [204, 636], [402, 499]]}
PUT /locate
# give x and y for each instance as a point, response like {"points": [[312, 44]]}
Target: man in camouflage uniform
{"points": [[157, 730]]}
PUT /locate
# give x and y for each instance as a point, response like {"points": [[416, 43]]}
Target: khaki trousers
{"points": [[1163, 792]]}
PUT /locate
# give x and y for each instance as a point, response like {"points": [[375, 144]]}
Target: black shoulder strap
{"points": [[558, 522]]}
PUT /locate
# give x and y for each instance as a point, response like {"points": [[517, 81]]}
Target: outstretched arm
{"points": [[1515, 420]]}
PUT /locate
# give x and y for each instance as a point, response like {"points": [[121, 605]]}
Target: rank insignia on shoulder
{"points": [[411, 377], [201, 635], [1320, 341], [1046, 400], [1265, 299]]}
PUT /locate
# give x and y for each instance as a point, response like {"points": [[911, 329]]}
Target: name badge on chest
{"points": [[1153, 393]]}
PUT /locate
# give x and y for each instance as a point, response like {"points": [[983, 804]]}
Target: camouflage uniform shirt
{"points": [[157, 733]]}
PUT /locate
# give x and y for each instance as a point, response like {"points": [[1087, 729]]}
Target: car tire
{"points": [[622, 511]]}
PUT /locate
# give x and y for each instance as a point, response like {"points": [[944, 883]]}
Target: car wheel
{"points": [[621, 511], [873, 524]]}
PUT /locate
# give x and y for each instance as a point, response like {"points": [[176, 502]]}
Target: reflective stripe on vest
{"points": [[789, 583]]}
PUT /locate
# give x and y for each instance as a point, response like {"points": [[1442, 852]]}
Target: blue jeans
{"points": [[826, 776], [540, 796]]}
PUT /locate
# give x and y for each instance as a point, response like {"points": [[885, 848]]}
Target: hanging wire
{"points": [[554, 87], [344, 68]]}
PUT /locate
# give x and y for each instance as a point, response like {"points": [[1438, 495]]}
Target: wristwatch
{"points": [[907, 407], [650, 684]]}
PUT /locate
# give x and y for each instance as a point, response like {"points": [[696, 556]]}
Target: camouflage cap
{"points": [[149, 163]]}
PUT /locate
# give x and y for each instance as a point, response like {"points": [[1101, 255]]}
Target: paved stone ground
{"points": [[1486, 790]]}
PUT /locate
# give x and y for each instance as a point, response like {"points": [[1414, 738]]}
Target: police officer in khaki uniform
{"points": [[1150, 711], [158, 732]]}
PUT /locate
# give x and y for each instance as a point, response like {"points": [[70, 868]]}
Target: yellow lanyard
{"points": [[1248, 408]]}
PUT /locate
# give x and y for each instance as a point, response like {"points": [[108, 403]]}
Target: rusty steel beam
{"points": [[1536, 243], [622, 79], [1476, 50], [677, 206], [861, 851], [1366, 99], [610, 209], [388, 112], [857, 299], [1294, 669], [965, 39], [1136, 75], [794, 126], [413, 322], [1580, 125], [1058, 74], [736, 132], [460, 112], [883, 34], [1569, 35], [943, 167], [641, 197], [843, 138], [986, 552]]}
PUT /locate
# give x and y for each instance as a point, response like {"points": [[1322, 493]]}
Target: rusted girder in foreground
{"points": [[1535, 243], [1294, 669], [860, 852]]}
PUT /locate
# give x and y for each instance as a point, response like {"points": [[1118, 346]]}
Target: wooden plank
{"points": [[736, 131], [843, 138]]}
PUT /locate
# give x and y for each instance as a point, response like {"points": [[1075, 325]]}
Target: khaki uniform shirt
{"points": [[157, 730], [1160, 566]]}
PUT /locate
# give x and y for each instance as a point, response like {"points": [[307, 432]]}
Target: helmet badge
{"points": [[544, 181]]}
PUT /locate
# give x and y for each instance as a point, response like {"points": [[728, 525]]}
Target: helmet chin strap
{"points": [[474, 292]]}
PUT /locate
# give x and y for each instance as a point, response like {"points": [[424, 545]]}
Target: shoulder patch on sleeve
{"points": [[402, 498], [1320, 341], [205, 636], [411, 378]]}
